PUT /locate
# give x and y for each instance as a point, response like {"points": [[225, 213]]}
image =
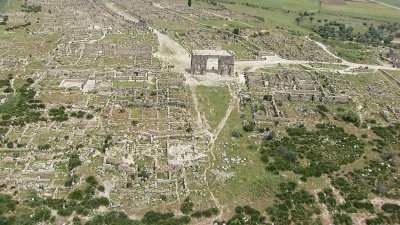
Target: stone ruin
{"points": [[200, 62], [394, 58], [271, 90]]}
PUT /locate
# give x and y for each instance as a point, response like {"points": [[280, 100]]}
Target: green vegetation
{"points": [[31, 8], [150, 218], [58, 114], [294, 206], [79, 114], [21, 107], [214, 102], [10, 5], [6, 204], [302, 152], [350, 116], [391, 2], [74, 161], [245, 215], [383, 34], [82, 202], [206, 213], [187, 206]]}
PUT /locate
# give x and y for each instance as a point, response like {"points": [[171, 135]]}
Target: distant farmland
{"points": [[391, 2]]}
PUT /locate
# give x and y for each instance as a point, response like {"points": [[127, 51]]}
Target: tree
{"points": [[74, 161], [187, 206], [298, 19], [190, 3], [236, 31]]}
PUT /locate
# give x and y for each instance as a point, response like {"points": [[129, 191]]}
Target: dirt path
{"points": [[174, 54], [325, 48]]}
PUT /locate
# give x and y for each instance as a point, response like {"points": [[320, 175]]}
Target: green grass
{"points": [[251, 183], [9, 5], [391, 2], [272, 17], [214, 102], [295, 5], [354, 52], [284, 13], [3, 4], [369, 11]]}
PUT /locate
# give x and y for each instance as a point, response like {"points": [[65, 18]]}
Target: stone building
{"points": [[217, 61]]}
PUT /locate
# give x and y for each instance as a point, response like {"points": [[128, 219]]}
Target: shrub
{"points": [[391, 208], [74, 161], [187, 206], [91, 180], [6, 204]]}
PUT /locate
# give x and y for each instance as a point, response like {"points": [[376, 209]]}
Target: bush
{"points": [[91, 180], [236, 134], [248, 126], [74, 161], [58, 114], [342, 219], [206, 213], [41, 215], [351, 117], [152, 217], [391, 208], [187, 206], [6, 204], [236, 31], [76, 195]]}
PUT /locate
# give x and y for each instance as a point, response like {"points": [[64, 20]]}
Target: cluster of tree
{"points": [[9, 216], [206, 213], [35, 210], [294, 206], [339, 148], [60, 115], [350, 117], [21, 107], [74, 161], [245, 215], [31, 8], [150, 218], [388, 135], [382, 34], [303, 15]]}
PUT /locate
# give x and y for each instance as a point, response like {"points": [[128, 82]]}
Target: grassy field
{"points": [[9, 5], [297, 5], [214, 102], [354, 52], [368, 11], [251, 182], [284, 13], [3, 4], [391, 2]]}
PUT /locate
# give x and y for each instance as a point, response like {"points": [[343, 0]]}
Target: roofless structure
{"points": [[217, 61]]}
